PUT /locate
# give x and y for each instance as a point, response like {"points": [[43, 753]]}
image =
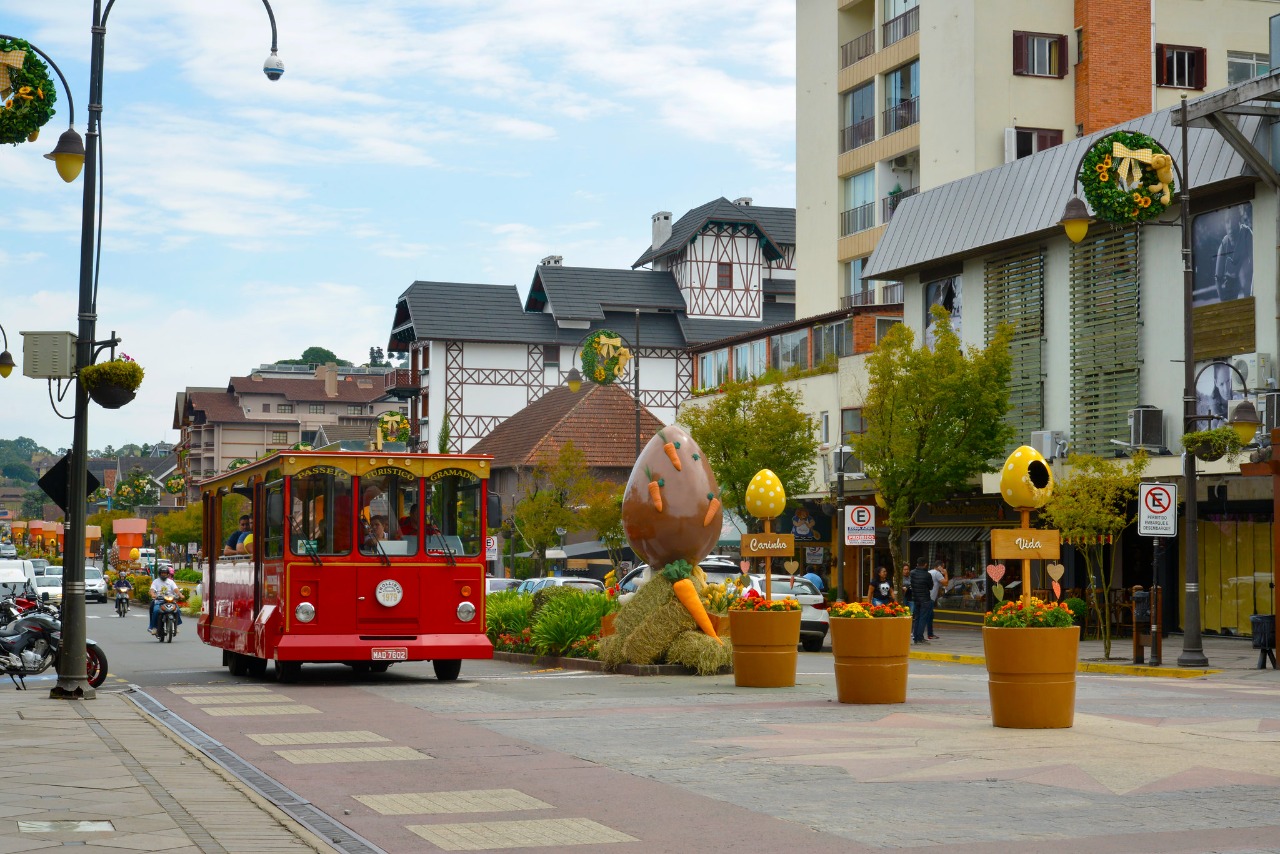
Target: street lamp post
{"points": [[72, 680], [840, 457], [574, 378]]}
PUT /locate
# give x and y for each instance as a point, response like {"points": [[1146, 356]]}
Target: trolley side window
{"points": [[388, 519], [453, 516], [320, 512], [273, 543]]}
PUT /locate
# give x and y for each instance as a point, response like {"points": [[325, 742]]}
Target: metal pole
{"points": [[635, 382], [839, 526], [73, 682], [1192, 646], [1154, 658]]}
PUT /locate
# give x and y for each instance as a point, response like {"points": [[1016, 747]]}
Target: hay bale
{"points": [[609, 650], [655, 593], [648, 641], [700, 652]]}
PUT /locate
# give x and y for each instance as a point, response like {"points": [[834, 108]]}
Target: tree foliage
{"points": [[1092, 507], [20, 472], [934, 417], [33, 502], [442, 440], [552, 491], [745, 430], [603, 515], [181, 525], [316, 356]]}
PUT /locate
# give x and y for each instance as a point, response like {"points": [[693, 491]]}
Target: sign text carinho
{"points": [[767, 545]]}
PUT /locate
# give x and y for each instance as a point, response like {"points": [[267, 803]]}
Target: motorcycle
{"points": [[122, 602], [13, 607], [167, 619], [30, 645]]}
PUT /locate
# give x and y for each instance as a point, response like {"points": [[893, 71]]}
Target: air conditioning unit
{"points": [[1050, 443], [1146, 427], [1255, 368], [902, 161]]}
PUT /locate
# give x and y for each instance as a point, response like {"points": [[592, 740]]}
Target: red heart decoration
{"points": [[1057, 590], [746, 566], [996, 571]]}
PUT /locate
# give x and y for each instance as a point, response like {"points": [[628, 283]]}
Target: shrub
{"points": [[192, 606], [189, 575], [1078, 608], [507, 613], [568, 619], [545, 595]]}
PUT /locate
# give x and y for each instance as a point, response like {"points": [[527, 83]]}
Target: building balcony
{"points": [[860, 48], [402, 383], [858, 219], [857, 298], [901, 115], [890, 203], [858, 134], [902, 26], [891, 294]]}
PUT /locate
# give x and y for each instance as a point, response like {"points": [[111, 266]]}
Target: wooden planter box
{"points": [[764, 648], [1032, 676], [871, 658]]}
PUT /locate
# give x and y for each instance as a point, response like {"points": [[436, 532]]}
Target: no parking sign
{"points": [[860, 525], [1158, 509]]}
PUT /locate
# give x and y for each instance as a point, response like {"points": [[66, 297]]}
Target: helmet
{"points": [[166, 570]]}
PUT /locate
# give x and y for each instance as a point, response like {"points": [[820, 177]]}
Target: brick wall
{"points": [[1113, 79]]}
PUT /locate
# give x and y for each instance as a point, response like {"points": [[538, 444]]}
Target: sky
{"points": [[446, 140]]}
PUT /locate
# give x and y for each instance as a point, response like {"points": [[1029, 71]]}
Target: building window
{"points": [[404, 410], [789, 350], [550, 355], [1180, 67], [1039, 54], [901, 98], [724, 275], [266, 407], [355, 409], [750, 360], [1242, 66], [279, 437], [315, 408], [284, 408], [1028, 141], [832, 340], [713, 369], [825, 435], [851, 277], [859, 119], [1079, 45], [851, 424], [884, 324], [859, 212]]}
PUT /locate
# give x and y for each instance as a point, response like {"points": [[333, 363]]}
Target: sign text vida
{"points": [[1025, 544], [768, 545]]}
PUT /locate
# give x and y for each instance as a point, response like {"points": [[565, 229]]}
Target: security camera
{"points": [[273, 67]]}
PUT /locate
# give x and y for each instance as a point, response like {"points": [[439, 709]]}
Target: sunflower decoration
{"points": [[604, 359], [1127, 177], [26, 92], [238, 462]]}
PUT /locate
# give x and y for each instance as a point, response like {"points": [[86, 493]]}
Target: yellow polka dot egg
{"points": [[1026, 479], [765, 495]]}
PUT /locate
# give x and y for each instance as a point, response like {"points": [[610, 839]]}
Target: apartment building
{"points": [[898, 96]]}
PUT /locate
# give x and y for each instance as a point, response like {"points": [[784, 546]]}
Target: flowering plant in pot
{"points": [[1210, 445], [753, 601], [765, 635], [1031, 651], [870, 645], [1038, 615], [112, 384]]}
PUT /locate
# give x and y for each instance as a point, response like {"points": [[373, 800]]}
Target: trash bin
{"points": [[1264, 631], [1141, 608]]}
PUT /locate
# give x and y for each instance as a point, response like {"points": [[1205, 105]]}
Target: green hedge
{"points": [[563, 622]]}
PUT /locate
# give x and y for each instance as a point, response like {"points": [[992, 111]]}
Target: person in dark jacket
{"points": [[921, 587]]}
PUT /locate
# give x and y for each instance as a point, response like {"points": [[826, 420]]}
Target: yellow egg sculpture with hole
{"points": [[1026, 479], [765, 495]]}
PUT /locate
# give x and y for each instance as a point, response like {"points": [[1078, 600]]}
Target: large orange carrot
{"points": [[679, 573], [655, 490], [671, 448], [711, 509]]}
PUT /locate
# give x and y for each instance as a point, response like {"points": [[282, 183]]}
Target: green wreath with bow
{"points": [[26, 92], [175, 484], [1127, 177], [604, 359]]}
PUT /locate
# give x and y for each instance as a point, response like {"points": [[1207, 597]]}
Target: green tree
{"points": [[377, 359], [1092, 508], [745, 430], [602, 513], [103, 520], [20, 472], [552, 491], [934, 418], [33, 502], [180, 526], [442, 440]]}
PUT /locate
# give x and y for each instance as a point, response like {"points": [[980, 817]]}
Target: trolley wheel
{"points": [[380, 666], [238, 665], [288, 671], [447, 669], [257, 667]]}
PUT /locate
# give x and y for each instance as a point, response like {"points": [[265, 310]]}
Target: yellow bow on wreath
{"points": [[607, 347], [1129, 160], [9, 59]]}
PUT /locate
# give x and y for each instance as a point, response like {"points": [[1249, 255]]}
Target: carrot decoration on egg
{"points": [[655, 489], [711, 509], [671, 448]]}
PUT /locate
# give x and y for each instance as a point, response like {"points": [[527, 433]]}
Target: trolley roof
{"points": [[285, 463]]}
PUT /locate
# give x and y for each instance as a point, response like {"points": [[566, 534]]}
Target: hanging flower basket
{"points": [[1210, 445], [26, 92], [112, 384]]}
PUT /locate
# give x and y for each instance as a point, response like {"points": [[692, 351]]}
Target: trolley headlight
{"points": [[466, 612], [305, 612]]}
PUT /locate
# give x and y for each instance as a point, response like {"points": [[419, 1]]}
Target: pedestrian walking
{"points": [[939, 575], [921, 586]]}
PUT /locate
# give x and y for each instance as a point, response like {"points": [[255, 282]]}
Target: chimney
{"points": [[329, 373], [743, 201], [661, 228], [552, 261]]}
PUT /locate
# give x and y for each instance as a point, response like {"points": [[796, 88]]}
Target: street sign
{"points": [[1026, 543], [860, 525], [490, 548], [57, 479], [767, 545], [1158, 509]]}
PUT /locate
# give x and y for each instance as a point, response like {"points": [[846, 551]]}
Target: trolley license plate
{"points": [[390, 653]]}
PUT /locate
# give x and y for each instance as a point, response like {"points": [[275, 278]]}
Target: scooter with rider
{"points": [[164, 605]]}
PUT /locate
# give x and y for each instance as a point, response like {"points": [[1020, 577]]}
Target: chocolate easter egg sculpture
{"points": [[671, 508]]}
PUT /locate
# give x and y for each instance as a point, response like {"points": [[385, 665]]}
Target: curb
{"points": [[552, 662]]}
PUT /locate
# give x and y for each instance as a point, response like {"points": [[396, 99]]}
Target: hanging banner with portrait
{"points": [[947, 293], [1222, 255]]}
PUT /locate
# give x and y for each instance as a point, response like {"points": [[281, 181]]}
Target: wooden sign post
{"points": [[1025, 544], [768, 545]]}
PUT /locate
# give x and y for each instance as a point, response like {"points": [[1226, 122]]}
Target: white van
{"points": [[26, 567], [147, 558]]}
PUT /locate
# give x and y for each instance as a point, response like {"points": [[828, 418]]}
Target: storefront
{"points": [[957, 533]]}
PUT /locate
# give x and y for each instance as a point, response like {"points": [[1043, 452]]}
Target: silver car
{"points": [[95, 586]]}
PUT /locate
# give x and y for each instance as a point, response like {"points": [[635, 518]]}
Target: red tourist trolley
{"points": [[363, 558]]}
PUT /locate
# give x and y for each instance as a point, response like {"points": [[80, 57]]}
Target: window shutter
{"points": [[1019, 53], [1062, 57], [1201, 62], [1162, 54]]}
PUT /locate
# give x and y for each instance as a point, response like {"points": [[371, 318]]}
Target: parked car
{"points": [[95, 586], [53, 569], [716, 568], [8, 550], [533, 585], [493, 585], [40, 565], [49, 588]]}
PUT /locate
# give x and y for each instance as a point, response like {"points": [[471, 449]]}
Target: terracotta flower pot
{"points": [[1032, 676], [111, 396], [764, 648], [871, 658]]}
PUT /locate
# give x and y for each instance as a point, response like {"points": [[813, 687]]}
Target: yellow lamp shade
{"points": [[1026, 479], [765, 495]]}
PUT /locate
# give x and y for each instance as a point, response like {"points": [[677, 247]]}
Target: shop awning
{"points": [[948, 535], [732, 527]]}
